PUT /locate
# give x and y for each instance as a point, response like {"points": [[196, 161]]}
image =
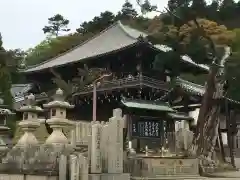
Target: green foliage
{"points": [[5, 76], [57, 24], [97, 24], [84, 77], [127, 11], [15, 61], [233, 66], [52, 47]]}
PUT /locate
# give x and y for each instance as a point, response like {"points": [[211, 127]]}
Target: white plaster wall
{"points": [[194, 115], [224, 137]]}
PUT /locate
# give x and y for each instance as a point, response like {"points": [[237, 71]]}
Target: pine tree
{"points": [[127, 11], [56, 25]]}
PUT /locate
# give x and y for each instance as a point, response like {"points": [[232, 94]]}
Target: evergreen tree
{"points": [[98, 23], [199, 7], [5, 76], [227, 9], [57, 24], [212, 12], [127, 11]]}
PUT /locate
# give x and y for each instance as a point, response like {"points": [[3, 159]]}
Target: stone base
{"points": [[154, 167], [26, 177], [123, 176], [171, 178]]}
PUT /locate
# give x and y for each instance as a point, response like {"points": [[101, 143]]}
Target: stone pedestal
{"points": [[28, 138], [154, 166], [57, 136]]}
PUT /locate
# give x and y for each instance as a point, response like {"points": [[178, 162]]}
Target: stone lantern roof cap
{"points": [[58, 101], [4, 111], [30, 105]]}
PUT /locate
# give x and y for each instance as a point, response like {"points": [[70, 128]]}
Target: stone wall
{"points": [[152, 167], [26, 177]]}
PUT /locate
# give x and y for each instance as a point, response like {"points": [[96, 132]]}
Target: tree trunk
{"points": [[208, 120]]}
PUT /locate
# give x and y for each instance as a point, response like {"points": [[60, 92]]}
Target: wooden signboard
{"points": [[146, 128]]}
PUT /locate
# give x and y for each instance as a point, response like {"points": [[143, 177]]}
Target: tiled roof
{"points": [[114, 38], [179, 116], [191, 87], [18, 91], [147, 105], [197, 89], [185, 58]]}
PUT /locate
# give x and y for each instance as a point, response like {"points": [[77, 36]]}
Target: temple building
{"points": [[128, 80]]}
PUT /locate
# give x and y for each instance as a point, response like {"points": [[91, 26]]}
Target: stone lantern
{"points": [[58, 120], [29, 122], [4, 130]]}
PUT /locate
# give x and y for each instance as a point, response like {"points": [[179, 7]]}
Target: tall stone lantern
{"points": [[4, 130], [58, 120], [29, 122]]}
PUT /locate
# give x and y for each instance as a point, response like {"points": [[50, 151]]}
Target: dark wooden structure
{"points": [[125, 53], [151, 124]]}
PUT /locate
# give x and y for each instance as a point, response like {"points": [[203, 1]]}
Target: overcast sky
{"points": [[21, 21]]}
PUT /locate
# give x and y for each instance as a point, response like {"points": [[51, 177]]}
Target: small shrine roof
{"points": [[114, 38], [197, 89], [191, 87], [179, 116], [148, 105]]}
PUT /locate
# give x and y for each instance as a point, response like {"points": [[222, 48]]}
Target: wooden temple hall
{"points": [[152, 108]]}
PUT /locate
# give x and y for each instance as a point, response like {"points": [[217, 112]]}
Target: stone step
{"points": [[177, 177]]}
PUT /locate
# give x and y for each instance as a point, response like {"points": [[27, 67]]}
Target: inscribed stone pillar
{"points": [[74, 167], [104, 147], [63, 167], [73, 137], [115, 158], [77, 132], [83, 167], [96, 162]]}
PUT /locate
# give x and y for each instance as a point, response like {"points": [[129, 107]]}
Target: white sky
{"points": [[21, 21]]}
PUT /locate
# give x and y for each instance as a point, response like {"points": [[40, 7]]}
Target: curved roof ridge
{"points": [[81, 44], [126, 29]]}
